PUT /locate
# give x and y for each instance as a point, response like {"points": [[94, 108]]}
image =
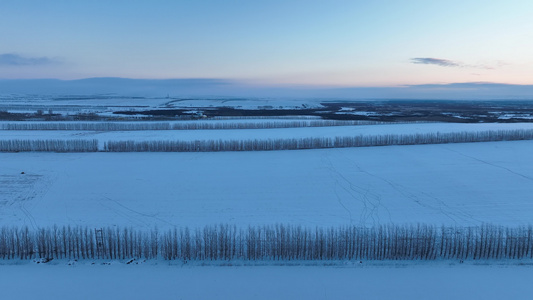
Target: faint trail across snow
{"points": [[376, 202], [439, 205], [127, 212], [371, 202], [340, 202], [21, 191], [489, 163]]}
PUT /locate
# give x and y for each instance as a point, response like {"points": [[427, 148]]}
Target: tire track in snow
{"points": [[489, 163], [442, 207], [370, 201], [127, 212], [340, 202], [373, 198], [17, 191]]}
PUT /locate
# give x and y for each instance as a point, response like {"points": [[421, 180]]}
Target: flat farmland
{"points": [[450, 184], [260, 134], [387, 280]]}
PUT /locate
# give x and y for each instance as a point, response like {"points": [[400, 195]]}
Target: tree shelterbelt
{"points": [[271, 242], [318, 142], [49, 145], [184, 125], [79, 145]]}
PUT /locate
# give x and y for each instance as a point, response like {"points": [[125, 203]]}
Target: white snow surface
{"points": [[431, 281], [451, 184], [260, 134], [158, 102], [247, 103], [462, 184]]}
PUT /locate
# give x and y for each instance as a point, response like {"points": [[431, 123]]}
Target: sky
{"points": [[282, 43]]}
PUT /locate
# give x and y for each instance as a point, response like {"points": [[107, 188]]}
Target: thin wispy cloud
{"points": [[449, 63], [436, 61], [12, 59]]}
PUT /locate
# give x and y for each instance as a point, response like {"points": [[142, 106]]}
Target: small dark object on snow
{"points": [[22, 173], [72, 262], [43, 260], [360, 261]]}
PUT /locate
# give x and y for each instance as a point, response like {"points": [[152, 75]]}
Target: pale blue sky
{"points": [[337, 43]]}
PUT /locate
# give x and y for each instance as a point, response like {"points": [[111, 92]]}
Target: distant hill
{"points": [[228, 88]]}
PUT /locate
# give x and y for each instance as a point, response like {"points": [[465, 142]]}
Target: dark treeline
{"points": [[133, 126], [318, 142], [49, 145], [75, 145], [274, 242]]}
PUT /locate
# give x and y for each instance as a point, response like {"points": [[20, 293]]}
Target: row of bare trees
{"points": [[73, 145], [271, 242], [317, 142], [185, 125]]}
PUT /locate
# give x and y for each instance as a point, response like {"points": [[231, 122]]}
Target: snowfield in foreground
{"points": [[378, 281], [450, 184], [453, 184]]}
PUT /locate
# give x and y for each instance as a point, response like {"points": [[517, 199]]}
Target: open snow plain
{"points": [[453, 184], [390, 281], [450, 184]]}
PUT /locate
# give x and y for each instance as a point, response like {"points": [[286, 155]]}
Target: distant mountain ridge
{"points": [[213, 87]]}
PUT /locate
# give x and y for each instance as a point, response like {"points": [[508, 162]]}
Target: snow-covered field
{"points": [[378, 281], [102, 104], [155, 102], [464, 184], [260, 134], [451, 184], [247, 103]]}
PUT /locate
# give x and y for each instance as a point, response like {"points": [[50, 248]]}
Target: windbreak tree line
{"points": [[191, 125], [317, 142], [49, 145], [271, 243], [75, 145]]}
